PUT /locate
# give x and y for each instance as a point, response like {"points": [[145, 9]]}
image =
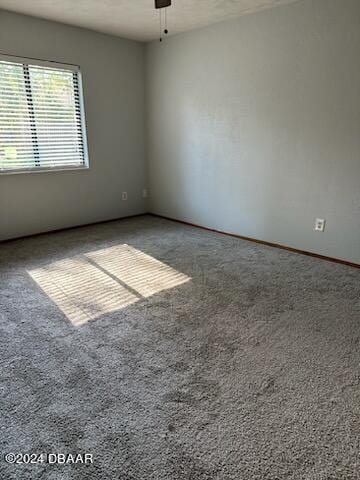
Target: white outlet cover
{"points": [[320, 224], [124, 195]]}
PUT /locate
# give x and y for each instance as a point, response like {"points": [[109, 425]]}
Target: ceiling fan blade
{"points": [[162, 3]]}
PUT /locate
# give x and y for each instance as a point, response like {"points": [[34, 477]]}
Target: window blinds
{"points": [[41, 117]]}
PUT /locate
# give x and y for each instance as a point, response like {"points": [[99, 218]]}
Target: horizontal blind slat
{"points": [[34, 166], [31, 161]]}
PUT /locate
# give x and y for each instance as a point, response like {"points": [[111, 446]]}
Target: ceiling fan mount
{"points": [[162, 3]]}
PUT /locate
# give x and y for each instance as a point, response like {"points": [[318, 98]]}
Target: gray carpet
{"points": [[240, 362]]}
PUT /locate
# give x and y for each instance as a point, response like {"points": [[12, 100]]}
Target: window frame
{"points": [[63, 66]]}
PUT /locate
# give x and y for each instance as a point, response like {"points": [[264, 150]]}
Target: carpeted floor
{"points": [[169, 352]]}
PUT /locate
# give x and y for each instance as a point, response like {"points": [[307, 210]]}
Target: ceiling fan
{"points": [[160, 4]]}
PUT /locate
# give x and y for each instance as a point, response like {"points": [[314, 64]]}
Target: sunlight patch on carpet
{"points": [[87, 286]]}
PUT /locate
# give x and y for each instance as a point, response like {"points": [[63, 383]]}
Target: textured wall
{"points": [[113, 78], [254, 126]]}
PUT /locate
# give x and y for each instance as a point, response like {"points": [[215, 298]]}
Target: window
{"points": [[42, 125]]}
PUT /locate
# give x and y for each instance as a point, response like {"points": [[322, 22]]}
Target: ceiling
{"points": [[137, 19]]}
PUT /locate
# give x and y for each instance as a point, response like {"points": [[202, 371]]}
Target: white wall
{"points": [[113, 77], [254, 126]]}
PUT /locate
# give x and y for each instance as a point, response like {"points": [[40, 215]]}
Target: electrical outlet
{"points": [[144, 193], [319, 225], [124, 195]]}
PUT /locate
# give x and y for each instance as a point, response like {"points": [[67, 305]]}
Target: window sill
{"points": [[43, 170]]}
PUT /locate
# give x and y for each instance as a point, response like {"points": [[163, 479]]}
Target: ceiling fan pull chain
{"points": [[160, 20], [166, 31]]}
